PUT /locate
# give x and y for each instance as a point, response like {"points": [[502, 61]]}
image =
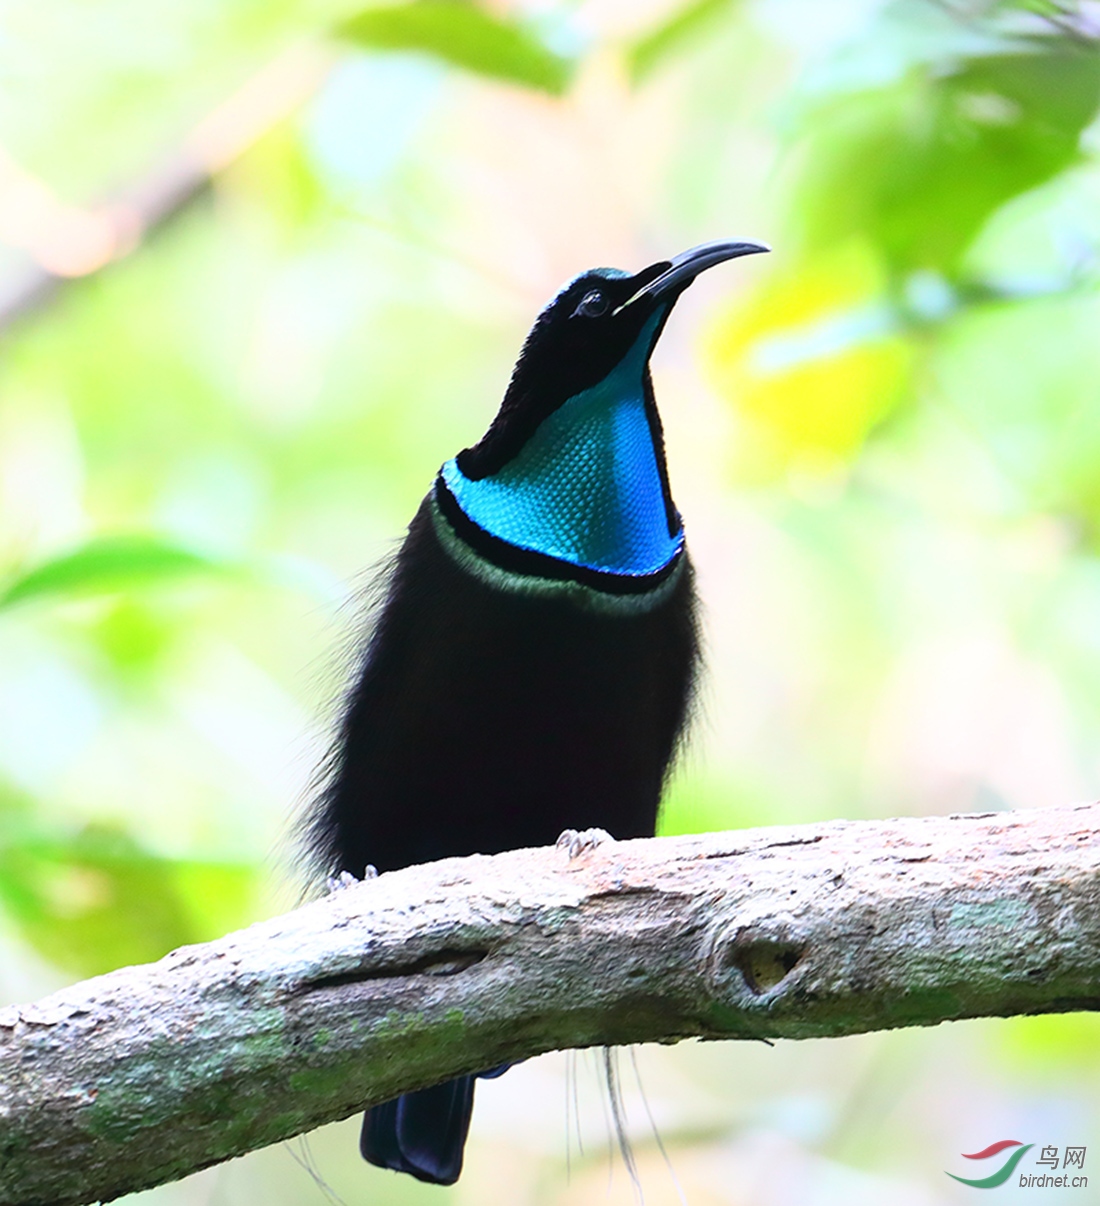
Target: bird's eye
{"points": [[592, 305]]}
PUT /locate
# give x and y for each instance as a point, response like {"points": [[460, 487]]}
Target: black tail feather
{"points": [[421, 1133]]}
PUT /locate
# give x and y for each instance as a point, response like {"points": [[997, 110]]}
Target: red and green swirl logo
{"points": [[1004, 1172]]}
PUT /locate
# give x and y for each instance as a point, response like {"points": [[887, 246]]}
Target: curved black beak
{"points": [[681, 270]]}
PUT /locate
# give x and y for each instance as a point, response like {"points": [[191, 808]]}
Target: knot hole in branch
{"points": [[764, 964]]}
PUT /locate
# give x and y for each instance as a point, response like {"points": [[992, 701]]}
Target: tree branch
{"points": [[152, 1072]]}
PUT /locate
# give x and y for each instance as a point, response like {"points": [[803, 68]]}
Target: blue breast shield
{"points": [[586, 488]]}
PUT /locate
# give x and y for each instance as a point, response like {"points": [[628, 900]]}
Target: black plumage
{"points": [[485, 721], [515, 687]]}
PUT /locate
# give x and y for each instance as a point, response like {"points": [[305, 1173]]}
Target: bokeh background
{"points": [[266, 265]]}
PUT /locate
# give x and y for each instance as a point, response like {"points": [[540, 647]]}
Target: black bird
{"points": [[532, 663]]}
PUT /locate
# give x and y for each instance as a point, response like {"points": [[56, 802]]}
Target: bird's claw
{"points": [[577, 841], [337, 883]]}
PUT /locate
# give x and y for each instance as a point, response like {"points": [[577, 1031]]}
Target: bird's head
{"points": [[602, 320], [573, 467]]}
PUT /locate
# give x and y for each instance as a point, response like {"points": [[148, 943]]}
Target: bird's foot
{"points": [[577, 841], [336, 883]]}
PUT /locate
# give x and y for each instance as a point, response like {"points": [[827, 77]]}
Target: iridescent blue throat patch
{"points": [[586, 487]]}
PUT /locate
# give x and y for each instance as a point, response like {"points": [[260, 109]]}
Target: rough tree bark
{"points": [[152, 1072]]}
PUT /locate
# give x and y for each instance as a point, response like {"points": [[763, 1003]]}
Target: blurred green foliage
{"points": [[465, 35], [885, 439], [917, 167], [109, 564], [663, 42], [94, 899]]}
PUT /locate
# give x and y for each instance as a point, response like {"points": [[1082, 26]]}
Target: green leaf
{"points": [[651, 50], [465, 36], [109, 564], [919, 167]]}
